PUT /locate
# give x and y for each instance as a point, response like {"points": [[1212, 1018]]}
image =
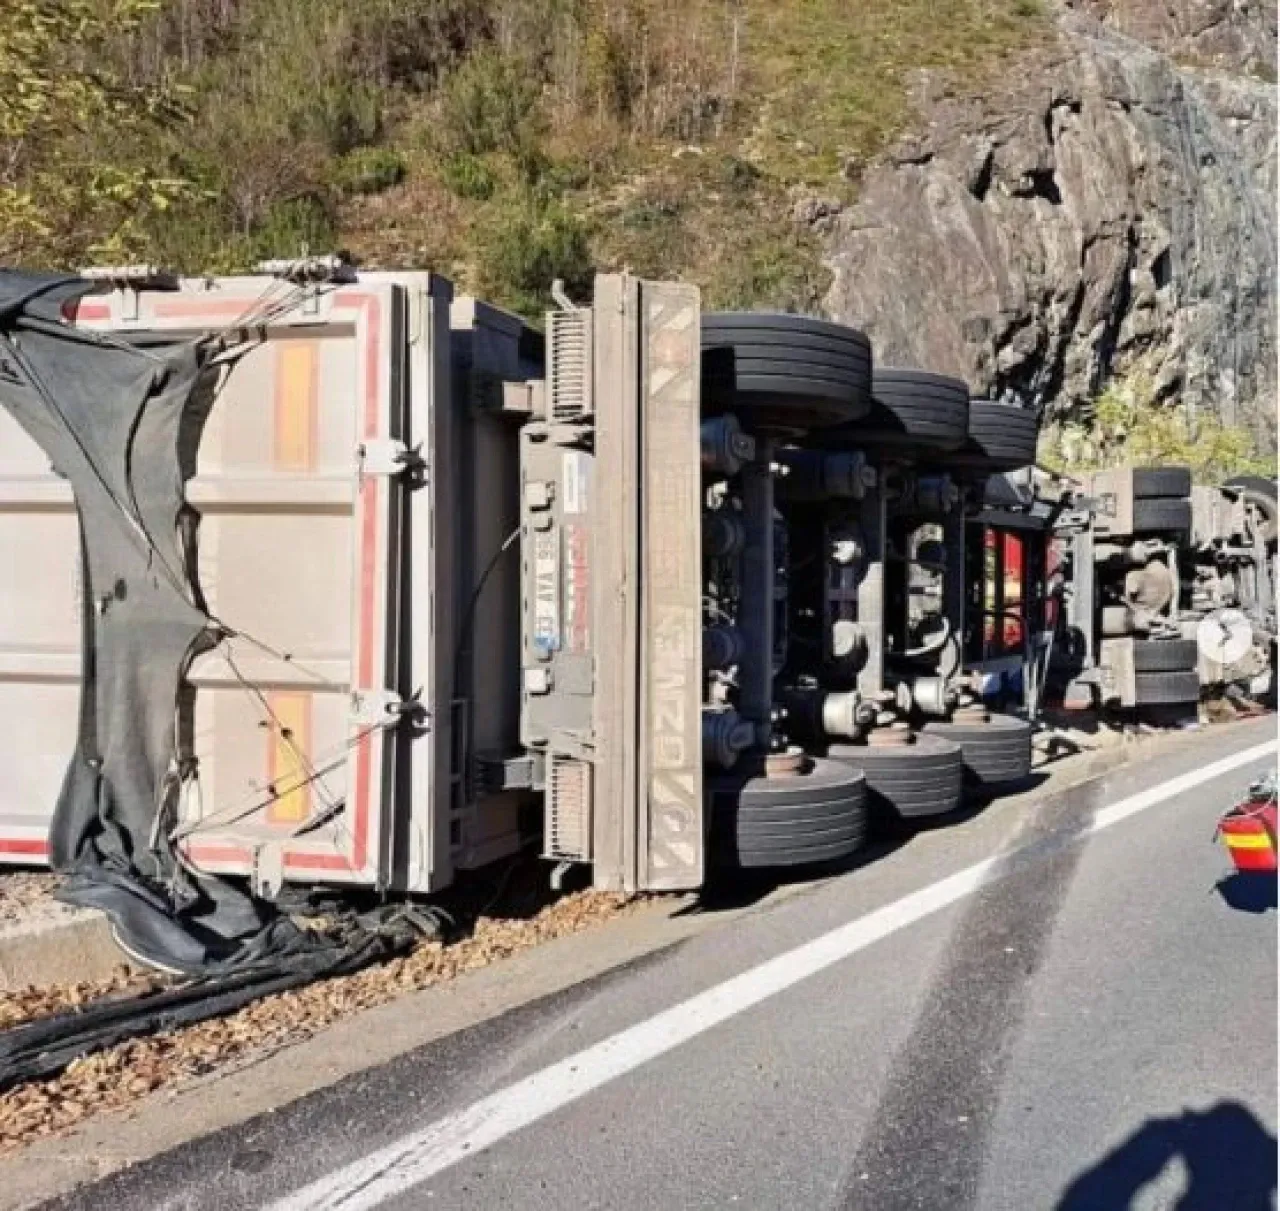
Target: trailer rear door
{"points": [[301, 553]]}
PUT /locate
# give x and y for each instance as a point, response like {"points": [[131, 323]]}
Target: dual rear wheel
{"points": [[823, 812]]}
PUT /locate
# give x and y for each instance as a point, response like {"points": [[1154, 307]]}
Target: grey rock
{"points": [[1108, 210], [1236, 34], [818, 213]]}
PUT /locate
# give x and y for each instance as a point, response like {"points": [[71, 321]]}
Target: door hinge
{"points": [[370, 708], [387, 456]]}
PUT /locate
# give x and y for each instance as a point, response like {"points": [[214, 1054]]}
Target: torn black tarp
{"points": [[122, 422], [43, 1048]]}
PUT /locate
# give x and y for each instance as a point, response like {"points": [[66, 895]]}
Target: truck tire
{"points": [[1260, 492], [1002, 437], [787, 371], [910, 781], [1255, 483], [1156, 482], [1161, 515], [1167, 689], [913, 410], [1165, 655], [787, 820], [996, 750]]}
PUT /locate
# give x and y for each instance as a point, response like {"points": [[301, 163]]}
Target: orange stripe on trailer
{"points": [[297, 385], [290, 742]]}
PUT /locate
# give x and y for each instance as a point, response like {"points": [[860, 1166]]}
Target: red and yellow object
{"points": [[1249, 831]]}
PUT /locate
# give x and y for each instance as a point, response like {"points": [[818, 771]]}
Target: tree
{"points": [[74, 133]]}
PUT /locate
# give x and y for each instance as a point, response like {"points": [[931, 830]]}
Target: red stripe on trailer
{"points": [[19, 845], [85, 309], [202, 309], [217, 854], [371, 506], [371, 491]]}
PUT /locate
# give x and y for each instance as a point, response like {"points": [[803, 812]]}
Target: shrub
{"points": [[650, 214], [293, 227], [775, 270], [490, 104], [1127, 425], [739, 175], [75, 178], [468, 176], [368, 170], [531, 243]]}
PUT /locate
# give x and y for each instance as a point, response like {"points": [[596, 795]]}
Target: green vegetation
{"points": [[503, 142], [1128, 426], [835, 75], [75, 177]]}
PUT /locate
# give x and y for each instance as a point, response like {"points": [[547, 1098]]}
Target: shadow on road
{"points": [[1230, 1160], [730, 889], [1254, 893], [978, 799]]}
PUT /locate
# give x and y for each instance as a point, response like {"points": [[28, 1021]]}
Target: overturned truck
{"points": [[718, 632], [1169, 591], [334, 577]]}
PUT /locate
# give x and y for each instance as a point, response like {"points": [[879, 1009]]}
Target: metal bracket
{"points": [[369, 708], [129, 281], [131, 277], [332, 268], [387, 456], [267, 876], [498, 772], [527, 399]]}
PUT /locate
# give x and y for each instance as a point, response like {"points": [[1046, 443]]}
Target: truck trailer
{"points": [[665, 592]]}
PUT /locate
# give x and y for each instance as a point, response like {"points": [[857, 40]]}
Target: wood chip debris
{"points": [[21, 892], [28, 1004], [120, 1076]]}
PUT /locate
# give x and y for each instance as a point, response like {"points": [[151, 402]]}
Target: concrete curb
{"points": [[59, 945]]}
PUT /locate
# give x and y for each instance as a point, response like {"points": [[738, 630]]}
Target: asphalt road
{"points": [[1087, 1024]]}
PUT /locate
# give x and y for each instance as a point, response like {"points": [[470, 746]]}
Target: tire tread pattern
{"points": [[1002, 437], [759, 823], [1165, 655], [786, 370], [1166, 689], [996, 752], [908, 781]]}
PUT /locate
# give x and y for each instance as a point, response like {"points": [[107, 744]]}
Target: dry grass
{"points": [[509, 141]]}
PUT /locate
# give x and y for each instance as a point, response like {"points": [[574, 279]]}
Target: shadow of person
{"points": [[1230, 1160], [1253, 892]]}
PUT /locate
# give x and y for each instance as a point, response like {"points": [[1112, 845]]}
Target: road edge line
{"points": [[415, 1158]]}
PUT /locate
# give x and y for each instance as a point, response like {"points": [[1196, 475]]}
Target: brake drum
{"points": [[1152, 587]]}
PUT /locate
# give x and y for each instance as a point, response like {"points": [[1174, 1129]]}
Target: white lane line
{"points": [[397, 1168]]}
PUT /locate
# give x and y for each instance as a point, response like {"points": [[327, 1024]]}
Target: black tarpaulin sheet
{"points": [[122, 422]]}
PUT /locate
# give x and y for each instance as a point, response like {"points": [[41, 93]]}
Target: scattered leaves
{"points": [[119, 1077]]}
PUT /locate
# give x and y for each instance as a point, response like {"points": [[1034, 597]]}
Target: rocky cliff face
{"points": [[1107, 209]]}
